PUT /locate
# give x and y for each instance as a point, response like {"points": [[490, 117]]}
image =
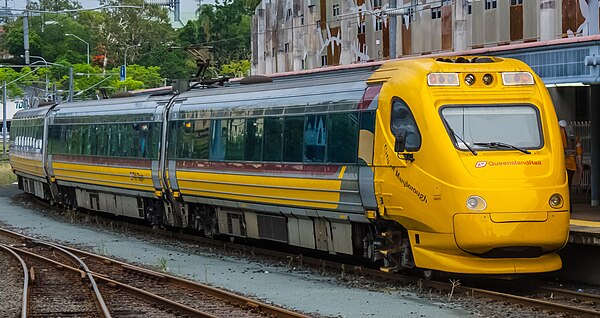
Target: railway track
{"points": [[134, 291], [11, 276], [544, 298]]}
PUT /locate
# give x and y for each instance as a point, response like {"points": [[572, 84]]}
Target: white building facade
{"points": [[292, 35]]}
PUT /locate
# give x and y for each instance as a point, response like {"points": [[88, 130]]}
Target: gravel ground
{"points": [[325, 294], [297, 290], [11, 285]]}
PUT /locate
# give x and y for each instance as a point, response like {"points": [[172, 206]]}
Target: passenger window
{"points": [[342, 146], [292, 139], [253, 143], [403, 120], [218, 139], [235, 139], [201, 140], [315, 137], [272, 139]]}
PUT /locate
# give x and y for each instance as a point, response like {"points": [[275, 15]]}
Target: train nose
{"points": [[501, 235]]}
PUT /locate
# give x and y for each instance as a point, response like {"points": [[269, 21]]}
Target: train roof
{"points": [[38, 112], [143, 107], [297, 91]]}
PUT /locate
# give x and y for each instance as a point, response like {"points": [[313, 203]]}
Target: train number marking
{"points": [[136, 176]]}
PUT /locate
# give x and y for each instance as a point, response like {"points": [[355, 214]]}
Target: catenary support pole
{"points": [[26, 33], [70, 99], [4, 121]]}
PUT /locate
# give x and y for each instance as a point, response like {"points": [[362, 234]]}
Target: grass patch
{"points": [[6, 174]]}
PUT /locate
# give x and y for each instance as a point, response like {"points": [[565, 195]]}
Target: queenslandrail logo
{"points": [[481, 164]]}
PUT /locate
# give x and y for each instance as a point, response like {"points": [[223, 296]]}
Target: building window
{"points": [[303, 64], [516, 2], [323, 60], [469, 9], [436, 13], [302, 20], [273, 52], [411, 15], [376, 4], [289, 14], [378, 23], [336, 10], [490, 4], [361, 27], [286, 47]]}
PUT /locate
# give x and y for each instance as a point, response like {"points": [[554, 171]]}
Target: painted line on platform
{"points": [[585, 223]]}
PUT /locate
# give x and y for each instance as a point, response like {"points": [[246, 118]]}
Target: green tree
{"points": [[8, 75], [174, 63], [238, 68], [54, 5], [147, 26], [226, 26]]}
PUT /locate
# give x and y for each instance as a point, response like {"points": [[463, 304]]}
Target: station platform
{"points": [[585, 225]]}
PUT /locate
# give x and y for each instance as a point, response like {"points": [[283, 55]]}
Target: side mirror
{"points": [[400, 144]]}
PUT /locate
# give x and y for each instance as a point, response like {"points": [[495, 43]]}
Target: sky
{"points": [[188, 7]]}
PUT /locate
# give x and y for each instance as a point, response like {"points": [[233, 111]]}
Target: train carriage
{"points": [[104, 155], [27, 150], [452, 164], [277, 161]]}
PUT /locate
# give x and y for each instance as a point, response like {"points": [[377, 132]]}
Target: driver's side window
{"points": [[403, 120]]}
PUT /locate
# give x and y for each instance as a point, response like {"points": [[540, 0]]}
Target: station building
{"points": [[559, 39]]}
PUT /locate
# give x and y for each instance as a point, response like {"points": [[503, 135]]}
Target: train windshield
{"points": [[515, 127]]}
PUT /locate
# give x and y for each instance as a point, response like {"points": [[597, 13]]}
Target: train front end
{"points": [[476, 171]]}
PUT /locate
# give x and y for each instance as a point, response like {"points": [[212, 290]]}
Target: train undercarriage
{"points": [[380, 241]]}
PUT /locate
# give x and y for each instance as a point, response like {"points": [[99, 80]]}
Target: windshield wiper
{"points": [[498, 144], [458, 137]]}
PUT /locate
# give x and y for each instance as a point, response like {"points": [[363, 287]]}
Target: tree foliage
{"points": [[153, 47], [225, 26]]}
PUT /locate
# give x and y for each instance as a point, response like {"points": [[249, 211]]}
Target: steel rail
{"points": [[132, 290], [405, 279], [99, 299], [566, 292], [360, 270], [25, 302], [215, 292]]}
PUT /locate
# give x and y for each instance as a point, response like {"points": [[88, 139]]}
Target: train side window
{"points": [[342, 145], [218, 140], [272, 139], [315, 138], [235, 139], [402, 120], [200, 139], [253, 141], [293, 138]]}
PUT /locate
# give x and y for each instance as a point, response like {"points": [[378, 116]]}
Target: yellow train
{"points": [[450, 164]]}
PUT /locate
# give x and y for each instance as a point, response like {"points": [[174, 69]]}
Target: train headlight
{"points": [[470, 79], [476, 203], [556, 201], [488, 79]]}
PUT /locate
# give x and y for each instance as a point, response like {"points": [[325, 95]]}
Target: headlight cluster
{"points": [[556, 201], [476, 203]]}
